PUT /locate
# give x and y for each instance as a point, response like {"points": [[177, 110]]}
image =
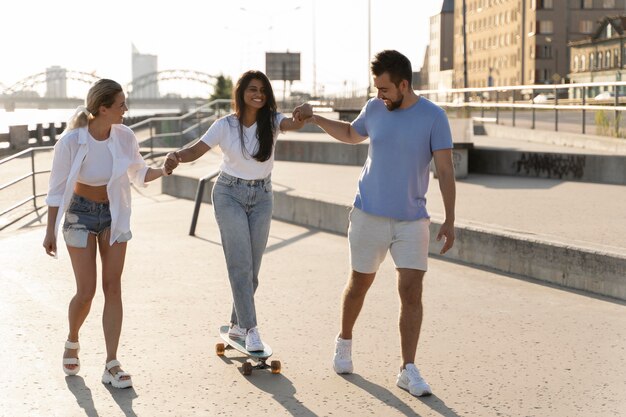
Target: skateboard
{"points": [[240, 346]]}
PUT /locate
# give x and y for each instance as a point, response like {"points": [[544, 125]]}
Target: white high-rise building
{"points": [[144, 64], [56, 82]]}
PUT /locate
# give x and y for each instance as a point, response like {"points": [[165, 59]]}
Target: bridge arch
{"points": [[32, 81], [141, 83]]}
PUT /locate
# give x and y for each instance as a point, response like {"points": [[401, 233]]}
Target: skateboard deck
{"points": [[240, 346]]}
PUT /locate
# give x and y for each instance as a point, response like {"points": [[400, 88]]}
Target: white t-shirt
{"points": [[241, 164], [97, 167]]}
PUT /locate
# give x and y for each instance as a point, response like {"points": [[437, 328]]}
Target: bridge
{"points": [[26, 93]]}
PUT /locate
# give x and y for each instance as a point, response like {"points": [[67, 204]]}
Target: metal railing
{"points": [[198, 200], [198, 120], [32, 175], [557, 98], [171, 130]]}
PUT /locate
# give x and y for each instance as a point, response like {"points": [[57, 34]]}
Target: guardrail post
{"points": [[556, 110], [617, 114], [39, 133], [584, 111], [482, 106], [532, 95], [180, 133], [497, 108], [52, 132], [513, 108], [32, 176], [18, 137], [151, 139]]}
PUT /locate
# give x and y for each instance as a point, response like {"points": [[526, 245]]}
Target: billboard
{"points": [[283, 66]]}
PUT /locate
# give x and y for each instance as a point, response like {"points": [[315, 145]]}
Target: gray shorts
{"points": [[84, 217], [372, 236]]}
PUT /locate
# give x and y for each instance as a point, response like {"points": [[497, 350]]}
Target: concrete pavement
{"points": [[492, 344]]}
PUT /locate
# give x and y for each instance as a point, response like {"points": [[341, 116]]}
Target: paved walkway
{"points": [[492, 345]]}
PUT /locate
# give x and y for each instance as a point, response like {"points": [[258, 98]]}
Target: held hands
{"points": [[302, 113], [447, 232], [171, 162]]}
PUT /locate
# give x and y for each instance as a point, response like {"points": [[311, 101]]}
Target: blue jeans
{"points": [[243, 210]]}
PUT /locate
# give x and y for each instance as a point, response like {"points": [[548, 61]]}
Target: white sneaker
{"points": [[342, 361], [253, 340], [236, 332], [411, 380]]}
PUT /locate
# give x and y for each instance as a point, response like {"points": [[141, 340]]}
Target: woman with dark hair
{"points": [[94, 163], [242, 195]]}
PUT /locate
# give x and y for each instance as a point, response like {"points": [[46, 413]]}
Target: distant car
{"points": [[543, 98], [607, 95]]}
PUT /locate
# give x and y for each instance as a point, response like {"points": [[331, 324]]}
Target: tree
{"points": [[223, 88]]}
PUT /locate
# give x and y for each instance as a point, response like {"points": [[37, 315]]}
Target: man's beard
{"points": [[394, 104]]}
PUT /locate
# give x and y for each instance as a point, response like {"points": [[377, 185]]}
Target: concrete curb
{"points": [[573, 267]]}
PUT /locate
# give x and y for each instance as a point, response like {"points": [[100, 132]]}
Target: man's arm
{"points": [[445, 172], [338, 129]]}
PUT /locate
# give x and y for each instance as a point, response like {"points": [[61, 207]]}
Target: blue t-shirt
{"points": [[394, 179]]}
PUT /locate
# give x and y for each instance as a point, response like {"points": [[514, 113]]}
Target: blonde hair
{"points": [[102, 93]]}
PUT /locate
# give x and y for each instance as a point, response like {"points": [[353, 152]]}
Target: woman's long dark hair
{"points": [[265, 117]]}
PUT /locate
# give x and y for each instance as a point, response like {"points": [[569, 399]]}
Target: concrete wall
{"points": [[606, 169], [577, 268], [321, 152], [595, 272]]}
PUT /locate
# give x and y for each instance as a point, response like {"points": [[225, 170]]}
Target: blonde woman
{"points": [[94, 163]]}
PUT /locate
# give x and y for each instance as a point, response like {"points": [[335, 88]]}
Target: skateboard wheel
{"points": [[246, 368], [219, 349], [275, 365]]}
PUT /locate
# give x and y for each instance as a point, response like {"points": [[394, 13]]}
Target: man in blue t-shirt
{"points": [[406, 131]]}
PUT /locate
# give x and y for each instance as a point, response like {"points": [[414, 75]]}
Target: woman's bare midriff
{"points": [[96, 193]]}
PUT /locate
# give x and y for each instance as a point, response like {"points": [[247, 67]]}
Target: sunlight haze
{"points": [[216, 37]]}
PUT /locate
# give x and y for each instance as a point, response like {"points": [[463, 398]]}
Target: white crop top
{"points": [[97, 166]]}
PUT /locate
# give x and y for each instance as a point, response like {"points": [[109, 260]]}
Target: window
{"points": [[599, 60], [544, 26], [582, 62], [544, 51], [607, 59], [546, 4], [586, 26], [591, 62], [586, 4], [576, 63], [608, 4]]}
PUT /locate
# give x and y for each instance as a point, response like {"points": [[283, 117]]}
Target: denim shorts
{"points": [[84, 217]]}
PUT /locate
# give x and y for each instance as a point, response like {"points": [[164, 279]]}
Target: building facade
{"points": [[601, 57], [519, 42], [142, 65], [56, 82], [438, 62]]}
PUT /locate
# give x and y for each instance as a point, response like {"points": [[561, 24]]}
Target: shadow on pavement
{"points": [[287, 242], [282, 390], [124, 399], [387, 397], [76, 385]]}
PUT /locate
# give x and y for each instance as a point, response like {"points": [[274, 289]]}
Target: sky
{"points": [[215, 37]]}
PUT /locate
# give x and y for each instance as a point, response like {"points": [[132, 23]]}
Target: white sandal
{"points": [[116, 380], [71, 361]]}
